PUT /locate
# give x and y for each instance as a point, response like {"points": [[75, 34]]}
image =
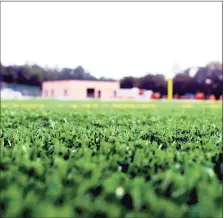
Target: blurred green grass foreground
{"points": [[160, 160]]}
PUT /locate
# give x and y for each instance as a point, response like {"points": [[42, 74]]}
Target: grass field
{"points": [[85, 159], [51, 103]]}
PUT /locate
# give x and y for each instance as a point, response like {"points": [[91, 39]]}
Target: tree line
{"points": [[35, 74], [207, 79]]}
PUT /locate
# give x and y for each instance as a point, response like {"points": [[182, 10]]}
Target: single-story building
{"points": [[80, 89], [128, 93], [134, 93]]}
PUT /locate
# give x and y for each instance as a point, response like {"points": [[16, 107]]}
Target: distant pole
{"points": [[170, 89], [175, 68]]}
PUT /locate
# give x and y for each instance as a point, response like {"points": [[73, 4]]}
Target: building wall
{"points": [[128, 93], [134, 93], [77, 89]]}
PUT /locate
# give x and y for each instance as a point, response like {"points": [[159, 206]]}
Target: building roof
{"points": [[73, 80]]}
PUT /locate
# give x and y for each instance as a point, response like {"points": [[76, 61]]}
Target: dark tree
{"points": [[127, 82]]}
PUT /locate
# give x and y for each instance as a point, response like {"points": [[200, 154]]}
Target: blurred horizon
{"points": [[207, 79]]}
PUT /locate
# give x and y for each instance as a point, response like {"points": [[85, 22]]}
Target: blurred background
{"points": [[122, 50], [205, 83]]}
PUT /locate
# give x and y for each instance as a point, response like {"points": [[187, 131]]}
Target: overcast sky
{"points": [[112, 39]]}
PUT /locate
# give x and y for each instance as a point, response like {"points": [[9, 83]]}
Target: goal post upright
{"points": [[170, 89], [175, 68]]}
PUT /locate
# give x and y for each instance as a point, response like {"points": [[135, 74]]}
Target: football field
{"points": [[111, 159]]}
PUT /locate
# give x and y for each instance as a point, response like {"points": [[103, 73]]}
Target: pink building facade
{"points": [[80, 89]]}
